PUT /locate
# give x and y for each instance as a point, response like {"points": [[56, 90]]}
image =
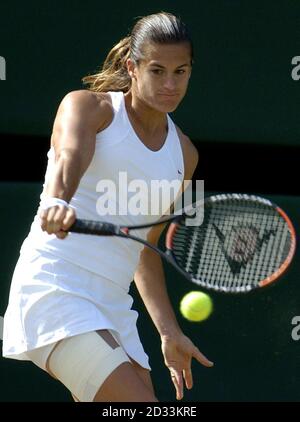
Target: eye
{"points": [[180, 71], [157, 71]]}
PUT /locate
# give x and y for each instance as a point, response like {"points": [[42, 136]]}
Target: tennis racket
{"points": [[245, 242]]}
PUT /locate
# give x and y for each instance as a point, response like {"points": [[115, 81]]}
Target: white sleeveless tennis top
{"points": [[62, 288], [122, 167]]}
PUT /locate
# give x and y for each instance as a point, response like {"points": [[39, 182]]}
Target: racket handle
{"points": [[93, 227]]}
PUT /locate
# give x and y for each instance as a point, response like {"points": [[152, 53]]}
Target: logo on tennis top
{"points": [[240, 244], [2, 69]]}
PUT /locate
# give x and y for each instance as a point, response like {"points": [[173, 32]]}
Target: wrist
{"points": [[170, 334], [49, 202]]}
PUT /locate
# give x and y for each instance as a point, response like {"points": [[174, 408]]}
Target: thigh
{"points": [[128, 382], [143, 373], [125, 384], [94, 367]]}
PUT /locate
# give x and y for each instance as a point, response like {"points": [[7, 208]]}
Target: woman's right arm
{"points": [[80, 116]]}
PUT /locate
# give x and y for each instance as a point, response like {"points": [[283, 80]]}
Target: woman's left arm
{"points": [[178, 350]]}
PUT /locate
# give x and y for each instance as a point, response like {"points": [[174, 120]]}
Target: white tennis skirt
{"points": [[51, 299]]}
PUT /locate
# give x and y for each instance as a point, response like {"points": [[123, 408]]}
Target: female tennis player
{"points": [[69, 308]]}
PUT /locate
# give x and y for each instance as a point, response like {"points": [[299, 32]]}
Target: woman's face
{"points": [[161, 78]]}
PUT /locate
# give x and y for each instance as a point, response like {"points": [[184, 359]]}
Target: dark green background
{"points": [[248, 337], [241, 89]]}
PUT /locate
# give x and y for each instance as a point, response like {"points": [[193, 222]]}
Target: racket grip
{"points": [[93, 227]]}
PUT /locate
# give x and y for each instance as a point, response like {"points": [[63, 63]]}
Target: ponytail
{"points": [[114, 75]]}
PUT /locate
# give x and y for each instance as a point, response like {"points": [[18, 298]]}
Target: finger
{"points": [[55, 218], [43, 219], [61, 234], [201, 358], [69, 219], [49, 220], [178, 383], [188, 378], [58, 217]]}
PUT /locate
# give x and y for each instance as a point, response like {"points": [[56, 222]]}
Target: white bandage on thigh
{"points": [[40, 355], [83, 362]]}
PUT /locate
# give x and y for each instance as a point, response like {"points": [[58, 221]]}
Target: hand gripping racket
{"points": [[244, 242]]}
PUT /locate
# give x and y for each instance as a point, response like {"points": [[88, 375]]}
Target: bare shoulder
{"points": [[88, 98], [190, 154], [92, 107]]}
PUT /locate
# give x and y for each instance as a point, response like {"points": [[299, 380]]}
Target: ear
{"points": [[131, 68]]}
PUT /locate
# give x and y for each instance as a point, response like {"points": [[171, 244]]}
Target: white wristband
{"points": [[52, 202]]}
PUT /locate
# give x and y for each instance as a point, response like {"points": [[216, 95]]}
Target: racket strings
{"points": [[235, 248]]}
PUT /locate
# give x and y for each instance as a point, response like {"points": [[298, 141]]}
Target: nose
{"points": [[169, 83]]}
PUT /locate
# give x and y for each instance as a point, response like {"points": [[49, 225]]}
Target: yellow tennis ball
{"points": [[196, 306]]}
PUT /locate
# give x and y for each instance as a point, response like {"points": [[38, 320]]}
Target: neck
{"points": [[148, 119]]}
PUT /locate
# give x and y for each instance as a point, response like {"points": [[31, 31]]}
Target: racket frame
{"points": [[109, 229]]}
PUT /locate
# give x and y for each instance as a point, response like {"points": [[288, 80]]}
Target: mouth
{"points": [[167, 95]]}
